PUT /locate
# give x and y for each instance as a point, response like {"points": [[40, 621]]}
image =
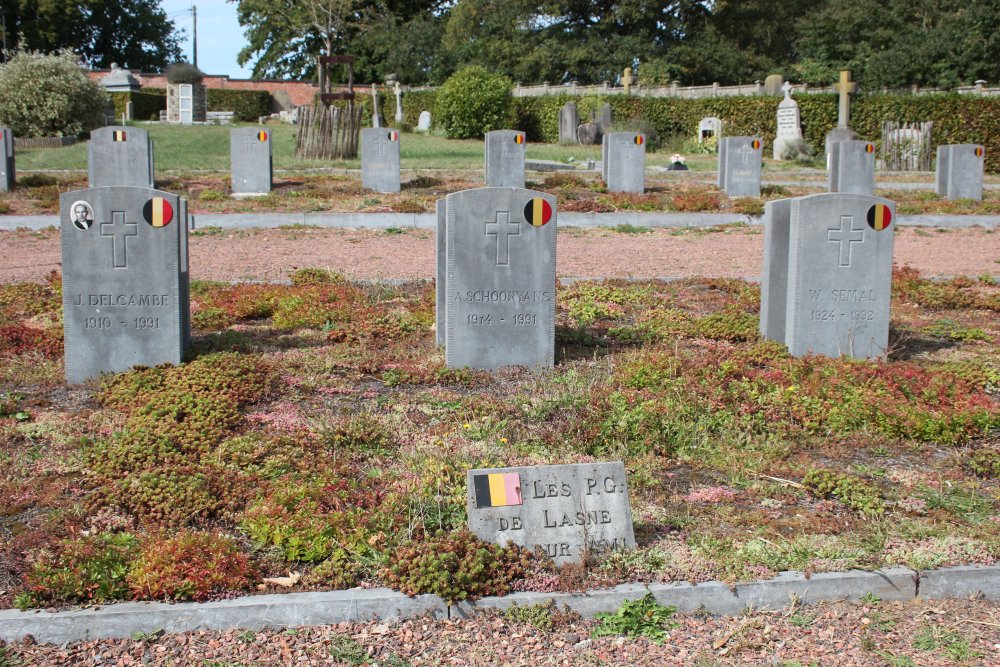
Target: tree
{"points": [[133, 33]]}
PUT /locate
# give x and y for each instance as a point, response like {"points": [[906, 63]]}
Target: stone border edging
{"points": [[301, 609], [429, 220]]}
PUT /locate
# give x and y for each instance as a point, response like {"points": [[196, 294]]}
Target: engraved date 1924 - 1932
{"points": [[832, 315]]}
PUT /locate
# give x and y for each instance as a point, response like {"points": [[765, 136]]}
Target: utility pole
{"points": [[194, 15]]}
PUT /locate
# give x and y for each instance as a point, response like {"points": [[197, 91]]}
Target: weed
{"points": [[88, 569], [208, 194], [345, 649], [852, 491], [870, 598], [537, 615], [984, 462], [630, 229], [394, 231], [189, 566], [638, 618]]}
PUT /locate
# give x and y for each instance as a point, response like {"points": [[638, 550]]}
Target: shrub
{"points": [[86, 569], [985, 462], [189, 566], [457, 566], [472, 102], [247, 105], [67, 104], [184, 73]]}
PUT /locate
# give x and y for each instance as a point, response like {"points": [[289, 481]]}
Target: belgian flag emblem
{"points": [[262, 136], [501, 489], [537, 212], [518, 139], [755, 144], [158, 212], [869, 148], [394, 136], [879, 217], [979, 151], [639, 140], [118, 135]]}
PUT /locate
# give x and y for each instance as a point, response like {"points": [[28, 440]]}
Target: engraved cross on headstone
{"points": [[502, 230], [845, 87], [845, 235], [381, 142], [628, 148], [120, 231], [506, 149], [745, 152], [249, 143]]}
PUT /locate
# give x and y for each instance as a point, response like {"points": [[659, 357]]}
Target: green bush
{"points": [[184, 73], [472, 102], [49, 95], [247, 105]]}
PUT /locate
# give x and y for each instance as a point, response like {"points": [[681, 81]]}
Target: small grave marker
{"points": [[424, 122], [380, 159], [625, 161], [567, 510], [960, 171], [741, 166], [125, 279], [709, 127], [568, 122], [7, 172], [250, 160], [120, 156], [500, 278], [505, 153], [852, 167]]}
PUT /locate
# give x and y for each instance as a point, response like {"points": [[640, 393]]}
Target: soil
{"points": [[271, 254]]}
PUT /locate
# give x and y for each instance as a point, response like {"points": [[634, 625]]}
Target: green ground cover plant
{"points": [[315, 430]]}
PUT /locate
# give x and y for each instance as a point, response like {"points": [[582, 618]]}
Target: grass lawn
{"points": [[316, 430]]}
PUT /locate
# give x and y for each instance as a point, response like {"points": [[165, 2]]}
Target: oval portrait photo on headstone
{"points": [[82, 215]]}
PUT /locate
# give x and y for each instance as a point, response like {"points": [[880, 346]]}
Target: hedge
{"points": [[247, 105], [958, 119], [146, 103]]}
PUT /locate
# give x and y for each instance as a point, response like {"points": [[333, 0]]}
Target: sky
{"points": [[220, 36]]}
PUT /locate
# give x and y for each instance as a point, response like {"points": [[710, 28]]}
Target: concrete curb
{"points": [[301, 609], [429, 220]]}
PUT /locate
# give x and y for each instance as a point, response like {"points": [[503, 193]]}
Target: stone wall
{"points": [[199, 97]]}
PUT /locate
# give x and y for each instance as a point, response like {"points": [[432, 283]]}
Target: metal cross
{"points": [[845, 235], [120, 231], [503, 229]]}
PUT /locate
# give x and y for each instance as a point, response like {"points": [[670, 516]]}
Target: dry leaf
{"points": [[287, 582]]}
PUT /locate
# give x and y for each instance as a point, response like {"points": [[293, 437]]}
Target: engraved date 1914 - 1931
{"points": [[487, 319], [107, 323]]}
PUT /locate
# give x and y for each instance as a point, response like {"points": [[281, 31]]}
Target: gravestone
{"points": [[789, 125], [625, 162], [500, 278], [377, 119], [120, 156], [960, 171], [568, 122], [742, 164], [604, 157], [399, 102], [125, 279], [852, 167], [7, 172], [250, 160], [844, 89], [772, 84], [440, 274], [605, 119], [774, 276], [567, 510], [720, 177], [424, 122], [709, 127], [380, 159], [839, 275], [505, 153], [588, 134]]}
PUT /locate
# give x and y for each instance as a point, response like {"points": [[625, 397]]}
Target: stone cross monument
{"points": [[399, 103], [845, 88]]}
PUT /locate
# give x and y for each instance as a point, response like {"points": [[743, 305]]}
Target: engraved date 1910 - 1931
{"points": [[832, 315]]}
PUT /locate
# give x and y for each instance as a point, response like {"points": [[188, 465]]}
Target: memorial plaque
{"points": [[440, 272], [380, 159], [505, 153], [125, 279], [120, 156], [774, 278], [839, 275], [7, 175], [250, 160], [567, 510], [501, 278], [742, 166], [963, 171], [626, 162], [852, 167]]}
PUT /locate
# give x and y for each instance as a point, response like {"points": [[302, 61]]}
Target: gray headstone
{"points": [[505, 153], [720, 177], [772, 84], [250, 160], [588, 134], [568, 510], [424, 122], [709, 127], [7, 172], [852, 168], [626, 162], [941, 175], [834, 136], [742, 166], [789, 127], [125, 279], [962, 176], [774, 278], [839, 275], [500, 278], [120, 156], [604, 157], [606, 118], [440, 274], [568, 122], [380, 159]]}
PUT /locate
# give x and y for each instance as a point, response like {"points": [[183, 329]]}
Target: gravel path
{"points": [[270, 254], [935, 632]]}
